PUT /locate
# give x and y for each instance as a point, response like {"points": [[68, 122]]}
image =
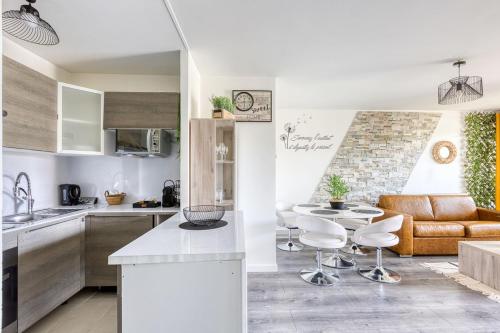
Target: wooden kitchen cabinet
{"points": [[50, 265], [80, 112], [141, 110], [29, 108], [105, 235]]}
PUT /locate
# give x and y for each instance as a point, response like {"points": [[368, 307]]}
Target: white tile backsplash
{"points": [[140, 178]]}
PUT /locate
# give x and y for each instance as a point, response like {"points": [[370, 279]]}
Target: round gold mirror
{"points": [[444, 152]]}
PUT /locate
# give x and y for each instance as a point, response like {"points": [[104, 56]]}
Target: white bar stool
{"points": [[379, 235], [287, 218], [321, 234]]}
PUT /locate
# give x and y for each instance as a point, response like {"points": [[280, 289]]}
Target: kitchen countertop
{"points": [[127, 209], [167, 243], [103, 210]]}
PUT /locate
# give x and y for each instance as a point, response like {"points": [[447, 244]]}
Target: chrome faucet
{"points": [[27, 194]]}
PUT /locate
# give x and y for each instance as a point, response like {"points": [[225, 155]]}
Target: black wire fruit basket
{"points": [[204, 214]]}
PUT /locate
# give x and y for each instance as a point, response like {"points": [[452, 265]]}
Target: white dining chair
{"points": [[321, 234], [337, 260], [352, 225], [287, 218], [379, 235]]}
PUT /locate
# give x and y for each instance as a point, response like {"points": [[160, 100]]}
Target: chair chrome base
{"points": [[290, 247], [380, 274], [354, 249], [338, 261], [319, 278]]}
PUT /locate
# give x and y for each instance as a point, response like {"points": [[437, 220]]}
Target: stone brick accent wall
{"points": [[379, 153]]}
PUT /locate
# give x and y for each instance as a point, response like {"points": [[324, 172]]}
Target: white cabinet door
{"points": [[50, 269], [80, 115]]}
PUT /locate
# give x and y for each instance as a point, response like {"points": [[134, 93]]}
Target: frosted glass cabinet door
{"points": [[80, 120]]}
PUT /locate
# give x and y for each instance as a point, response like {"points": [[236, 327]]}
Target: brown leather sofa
{"points": [[434, 224]]}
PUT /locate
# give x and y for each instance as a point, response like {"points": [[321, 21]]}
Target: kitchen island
{"points": [[177, 280]]}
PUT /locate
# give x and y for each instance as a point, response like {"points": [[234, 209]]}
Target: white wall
{"points": [[140, 178], [190, 83], [134, 83], [428, 176], [298, 173], [44, 170], [256, 192], [31, 60]]}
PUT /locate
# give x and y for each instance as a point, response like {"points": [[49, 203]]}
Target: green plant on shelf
{"points": [[222, 102]]}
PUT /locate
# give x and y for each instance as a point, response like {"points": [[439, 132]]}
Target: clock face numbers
{"points": [[243, 101]]}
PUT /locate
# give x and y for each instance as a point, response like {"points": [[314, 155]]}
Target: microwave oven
{"points": [[152, 142]]}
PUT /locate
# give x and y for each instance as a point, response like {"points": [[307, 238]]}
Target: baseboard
{"points": [[262, 268]]}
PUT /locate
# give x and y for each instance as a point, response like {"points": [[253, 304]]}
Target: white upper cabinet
{"points": [[80, 117]]}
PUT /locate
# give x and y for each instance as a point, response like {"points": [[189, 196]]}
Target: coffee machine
{"points": [[69, 194]]}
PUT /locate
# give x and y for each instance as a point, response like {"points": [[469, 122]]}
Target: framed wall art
{"points": [[253, 105]]}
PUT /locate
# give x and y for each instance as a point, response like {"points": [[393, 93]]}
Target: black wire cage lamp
{"points": [[460, 89], [26, 24]]}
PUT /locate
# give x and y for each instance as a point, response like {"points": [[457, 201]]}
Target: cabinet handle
{"points": [[4, 113]]}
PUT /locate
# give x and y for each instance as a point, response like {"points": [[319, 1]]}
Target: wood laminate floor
{"points": [[281, 302], [423, 302]]}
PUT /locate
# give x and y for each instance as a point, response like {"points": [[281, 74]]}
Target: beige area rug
{"points": [[450, 270]]}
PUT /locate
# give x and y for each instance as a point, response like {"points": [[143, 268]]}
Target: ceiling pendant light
{"points": [[460, 89], [27, 25]]}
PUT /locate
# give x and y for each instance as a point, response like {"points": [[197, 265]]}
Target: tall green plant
{"points": [[480, 157]]}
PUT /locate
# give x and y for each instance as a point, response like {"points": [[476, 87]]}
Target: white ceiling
{"points": [[356, 54], [112, 36]]}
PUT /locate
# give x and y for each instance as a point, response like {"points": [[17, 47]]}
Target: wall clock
{"points": [[253, 105], [243, 101]]}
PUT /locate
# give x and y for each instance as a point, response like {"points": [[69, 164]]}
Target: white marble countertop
{"points": [[103, 210], [167, 243], [127, 209]]}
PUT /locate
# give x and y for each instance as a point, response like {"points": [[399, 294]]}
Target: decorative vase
{"points": [[337, 204]]}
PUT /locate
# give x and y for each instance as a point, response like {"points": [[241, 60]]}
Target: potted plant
{"points": [[337, 189], [222, 107]]}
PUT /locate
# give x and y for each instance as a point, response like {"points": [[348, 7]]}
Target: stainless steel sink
{"points": [[19, 218], [38, 215]]}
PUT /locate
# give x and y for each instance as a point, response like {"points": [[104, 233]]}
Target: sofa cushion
{"points": [[481, 228], [453, 208], [419, 206], [438, 229]]}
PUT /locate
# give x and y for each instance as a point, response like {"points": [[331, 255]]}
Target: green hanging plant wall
{"points": [[480, 157]]}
